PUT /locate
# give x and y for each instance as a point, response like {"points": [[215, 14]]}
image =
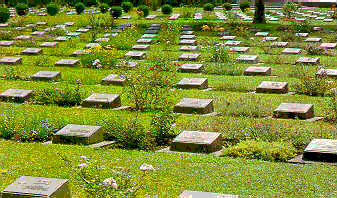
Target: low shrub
{"points": [[186, 12], [314, 50], [100, 58], [289, 8], [21, 9], [227, 6], [301, 26], [126, 39], [104, 7], [208, 7], [144, 10], [166, 9], [269, 151], [4, 15], [220, 53], [89, 3], [79, 7], [127, 6], [52, 9], [244, 5], [116, 11]]}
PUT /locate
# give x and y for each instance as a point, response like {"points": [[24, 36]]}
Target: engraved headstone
{"points": [[313, 39], [302, 34], [114, 79], [197, 142], [228, 38], [191, 68], [16, 95], [151, 31], [151, 16], [23, 37], [191, 83], [67, 62], [135, 54], [279, 44], [308, 60], [232, 43], [239, 49], [82, 30], [197, 194], [102, 40], [189, 56], [189, 48], [263, 34], [292, 110], [61, 38], [92, 45], [49, 44], [80, 52], [174, 17], [74, 34], [149, 36], [321, 150], [11, 60], [328, 45], [248, 59], [272, 87], [47, 75], [328, 72], [102, 101], [79, 134], [291, 51], [270, 38], [188, 36], [145, 41], [194, 105], [140, 47], [255, 71], [27, 186], [187, 42], [31, 51], [38, 33], [187, 32]]}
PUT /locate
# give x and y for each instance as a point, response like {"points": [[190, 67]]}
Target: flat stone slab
{"points": [[114, 79], [197, 194], [239, 49], [38, 33], [228, 38], [69, 23], [302, 34], [257, 71], [61, 38], [151, 31], [193, 83], [247, 59], [49, 44], [140, 47], [135, 54], [321, 150], [80, 52], [279, 44], [27, 186], [194, 105], [102, 101], [328, 45], [79, 134], [149, 36], [102, 40], [74, 34], [174, 17], [151, 16], [189, 48], [82, 30], [197, 142], [110, 35], [187, 42], [47, 75], [32, 51], [187, 36], [232, 43], [292, 110], [92, 45], [191, 68], [291, 51], [308, 60], [6, 43], [312, 39], [269, 38], [11, 60], [187, 32], [67, 62], [272, 87], [145, 41], [23, 37], [262, 34], [328, 72], [16, 95], [189, 56]]}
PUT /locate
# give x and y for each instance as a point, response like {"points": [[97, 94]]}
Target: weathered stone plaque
{"points": [[151, 16], [189, 56], [268, 38], [308, 60], [16, 95], [272, 87], [91, 45], [151, 31], [135, 54], [302, 34], [194, 105], [61, 38], [328, 45], [188, 36], [292, 110], [74, 34], [256, 71], [102, 40], [80, 52], [11, 60], [239, 49], [187, 42], [193, 83], [67, 62], [38, 33], [149, 36], [6, 43], [47, 75], [328, 72], [126, 17], [232, 43], [146, 41], [228, 38], [291, 51], [191, 68], [189, 48], [79, 134], [31, 51], [102, 101], [69, 23], [140, 47], [27, 186], [114, 79], [197, 194], [41, 23], [317, 28], [263, 34], [312, 39], [248, 59], [197, 142], [187, 28], [49, 44], [279, 44], [174, 17], [187, 32], [23, 37], [82, 30], [321, 150]]}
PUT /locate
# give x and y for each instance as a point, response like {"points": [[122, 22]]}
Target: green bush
{"points": [[166, 9], [4, 15], [244, 5], [89, 3], [21, 9], [144, 10], [99, 59], [227, 6], [269, 151], [127, 6], [52, 9], [79, 7], [116, 11], [208, 7], [104, 7]]}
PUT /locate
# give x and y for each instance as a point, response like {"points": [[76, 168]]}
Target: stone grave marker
{"points": [[27, 186], [135, 54], [248, 59], [317, 28], [114, 79], [187, 42], [67, 62], [189, 48], [23, 37], [308, 60], [11, 60], [151, 16], [74, 34], [16, 95], [61, 38], [232, 43], [263, 34], [292, 110], [69, 23], [328, 20], [102, 101], [302, 34], [272, 87], [6, 43], [239, 49], [189, 56], [31, 51], [145, 41], [80, 53], [149, 36], [321, 150], [82, 30], [102, 40], [313, 39], [291, 51], [191, 68], [197, 194], [110, 35], [47, 75], [126, 17], [151, 31], [268, 38], [79, 134], [328, 45], [187, 27], [328, 72], [3, 25], [197, 142], [92, 45], [187, 32], [49, 44], [38, 33], [174, 17], [255, 71], [187, 36], [279, 44], [194, 105], [228, 38], [193, 83]]}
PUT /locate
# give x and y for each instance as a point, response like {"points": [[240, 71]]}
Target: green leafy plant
{"points": [[4, 15], [208, 7], [21, 9], [79, 7], [104, 7], [52, 9], [289, 8], [144, 10], [116, 11], [227, 6], [166, 9], [127, 6], [244, 5]]}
